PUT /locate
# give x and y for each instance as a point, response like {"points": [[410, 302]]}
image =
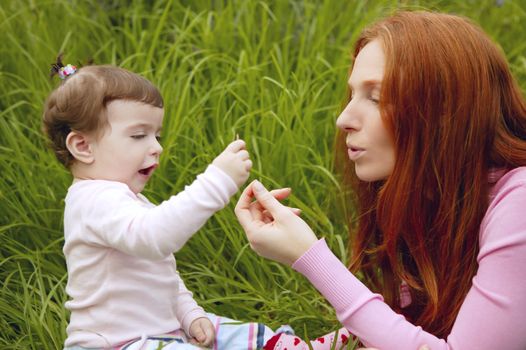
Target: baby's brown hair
{"points": [[79, 103]]}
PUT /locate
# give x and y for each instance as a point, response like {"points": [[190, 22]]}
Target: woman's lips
{"points": [[355, 153]]}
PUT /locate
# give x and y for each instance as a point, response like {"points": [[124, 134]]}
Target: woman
{"points": [[436, 129]]}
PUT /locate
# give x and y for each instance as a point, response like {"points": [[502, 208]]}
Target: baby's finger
{"points": [[243, 154], [210, 335], [235, 146], [199, 334], [248, 164]]}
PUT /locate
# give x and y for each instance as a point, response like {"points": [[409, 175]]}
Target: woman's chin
{"points": [[367, 174]]}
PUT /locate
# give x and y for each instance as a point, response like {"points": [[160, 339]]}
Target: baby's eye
{"points": [[158, 137], [138, 137]]}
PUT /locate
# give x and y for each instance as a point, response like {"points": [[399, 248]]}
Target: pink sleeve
{"points": [[493, 315]]}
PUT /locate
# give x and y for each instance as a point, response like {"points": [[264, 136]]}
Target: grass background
{"points": [[273, 72]]}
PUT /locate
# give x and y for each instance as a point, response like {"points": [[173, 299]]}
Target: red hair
{"points": [[455, 112]]}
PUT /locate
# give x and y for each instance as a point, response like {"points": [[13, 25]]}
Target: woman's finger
{"points": [[267, 218], [266, 200], [243, 207], [251, 212], [256, 211], [281, 193], [296, 211]]}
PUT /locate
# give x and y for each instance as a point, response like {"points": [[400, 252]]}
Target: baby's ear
{"points": [[80, 147]]}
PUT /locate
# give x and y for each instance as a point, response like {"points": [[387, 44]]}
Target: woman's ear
{"points": [[80, 147]]}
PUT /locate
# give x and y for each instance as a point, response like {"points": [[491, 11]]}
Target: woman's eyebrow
{"points": [[369, 83]]}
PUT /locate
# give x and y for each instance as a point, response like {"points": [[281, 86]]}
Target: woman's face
{"points": [[369, 144]]}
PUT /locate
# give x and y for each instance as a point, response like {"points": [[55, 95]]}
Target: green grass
{"points": [[272, 72]]}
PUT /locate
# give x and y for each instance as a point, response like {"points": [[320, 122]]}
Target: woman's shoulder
{"points": [[506, 180], [515, 175], [505, 219]]}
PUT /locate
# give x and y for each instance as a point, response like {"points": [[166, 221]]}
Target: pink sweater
{"points": [[493, 315], [122, 277]]}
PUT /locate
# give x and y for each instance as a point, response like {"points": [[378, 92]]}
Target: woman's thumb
{"points": [[264, 197]]}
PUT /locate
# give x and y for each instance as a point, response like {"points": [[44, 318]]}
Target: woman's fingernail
{"points": [[257, 186]]}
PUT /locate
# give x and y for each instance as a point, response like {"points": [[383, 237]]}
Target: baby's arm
{"points": [[135, 228], [186, 308], [193, 319]]}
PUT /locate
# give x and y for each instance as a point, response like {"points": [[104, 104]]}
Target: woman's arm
{"points": [[493, 315]]}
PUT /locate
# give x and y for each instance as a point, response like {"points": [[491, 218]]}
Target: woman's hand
{"points": [[202, 332], [273, 230]]}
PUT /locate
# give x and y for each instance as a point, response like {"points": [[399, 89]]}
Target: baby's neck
{"points": [[81, 172], [77, 179]]}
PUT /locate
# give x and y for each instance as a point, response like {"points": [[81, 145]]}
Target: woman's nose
{"points": [[347, 120]]}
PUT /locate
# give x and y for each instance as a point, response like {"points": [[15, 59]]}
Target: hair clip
{"points": [[66, 71], [62, 71]]}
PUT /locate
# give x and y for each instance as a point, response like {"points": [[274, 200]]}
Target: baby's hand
{"points": [[202, 332], [235, 161]]}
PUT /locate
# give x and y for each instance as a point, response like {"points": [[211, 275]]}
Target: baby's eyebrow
{"points": [[142, 126]]}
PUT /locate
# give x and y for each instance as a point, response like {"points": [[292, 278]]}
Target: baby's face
{"points": [[129, 149]]}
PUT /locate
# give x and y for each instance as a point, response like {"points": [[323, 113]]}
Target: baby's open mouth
{"points": [[148, 170]]}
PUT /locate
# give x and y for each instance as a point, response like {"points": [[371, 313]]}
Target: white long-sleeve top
{"points": [[122, 277]]}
